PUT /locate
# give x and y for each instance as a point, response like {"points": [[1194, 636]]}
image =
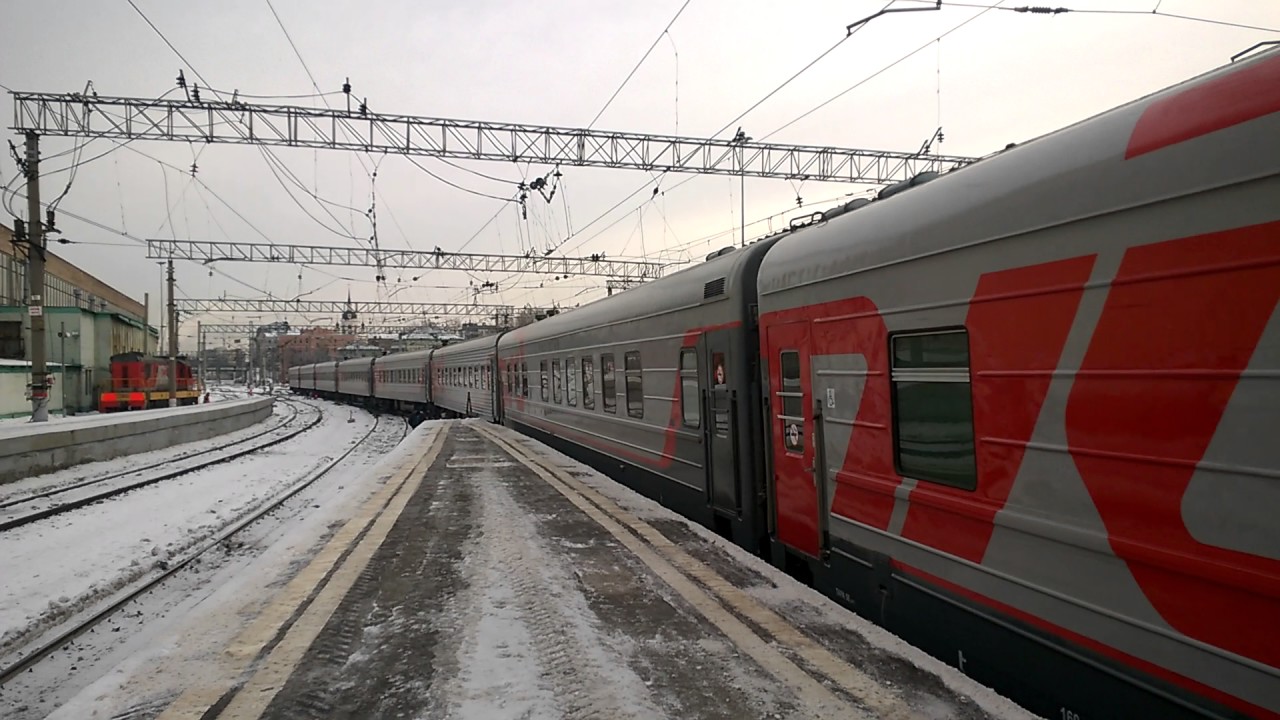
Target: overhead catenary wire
{"points": [[644, 57], [1046, 10]]}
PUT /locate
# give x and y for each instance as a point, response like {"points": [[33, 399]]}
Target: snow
{"points": [[188, 640], [784, 595], [57, 567], [76, 473], [24, 429]]}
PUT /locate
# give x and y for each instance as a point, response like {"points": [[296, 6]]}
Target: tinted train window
{"points": [[690, 392], [524, 379], [608, 388], [933, 418], [543, 375], [571, 381], [588, 384], [635, 384], [555, 381]]}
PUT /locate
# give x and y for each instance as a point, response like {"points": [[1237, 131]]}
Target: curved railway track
{"points": [[26, 659], [62, 507]]}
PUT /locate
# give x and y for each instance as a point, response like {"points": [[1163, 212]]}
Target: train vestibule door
{"points": [[719, 422], [791, 436]]}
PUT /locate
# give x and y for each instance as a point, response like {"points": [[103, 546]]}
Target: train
{"points": [[140, 382], [1023, 414]]}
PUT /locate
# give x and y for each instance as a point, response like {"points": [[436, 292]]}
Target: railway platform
{"points": [[490, 577], [28, 449]]}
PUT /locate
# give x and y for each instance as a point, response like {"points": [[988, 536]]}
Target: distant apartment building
{"points": [[86, 322]]}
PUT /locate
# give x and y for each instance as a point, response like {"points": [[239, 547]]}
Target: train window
{"points": [[792, 396], [571, 382], [635, 384], [542, 373], [690, 392], [608, 388], [933, 408], [524, 379], [588, 384], [555, 381]]}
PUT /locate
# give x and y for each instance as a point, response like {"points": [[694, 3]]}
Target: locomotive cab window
{"points": [[608, 385], [588, 384], [933, 408], [635, 384], [690, 393]]}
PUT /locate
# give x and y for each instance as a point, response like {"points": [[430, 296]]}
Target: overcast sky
{"points": [[1004, 77]]}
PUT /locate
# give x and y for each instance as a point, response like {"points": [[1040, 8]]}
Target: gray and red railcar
{"points": [[1024, 414]]}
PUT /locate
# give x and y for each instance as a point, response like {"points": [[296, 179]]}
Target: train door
{"points": [[791, 425], [495, 388], [719, 421]]}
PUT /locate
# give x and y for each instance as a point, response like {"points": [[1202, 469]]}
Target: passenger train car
{"points": [[1024, 415]]}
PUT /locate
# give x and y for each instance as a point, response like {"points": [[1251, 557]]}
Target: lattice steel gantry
{"points": [[201, 251], [76, 115]]}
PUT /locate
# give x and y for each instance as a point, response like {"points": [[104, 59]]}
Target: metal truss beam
{"points": [[249, 329], [76, 115], [311, 307], [410, 259]]}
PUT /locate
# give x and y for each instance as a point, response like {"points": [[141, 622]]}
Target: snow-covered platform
{"points": [[28, 449], [489, 577]]}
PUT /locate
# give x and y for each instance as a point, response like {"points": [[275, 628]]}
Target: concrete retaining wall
{"points": [[30, 449]]}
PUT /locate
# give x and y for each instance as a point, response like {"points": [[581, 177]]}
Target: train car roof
{"points": [[1213, 131], [356, 361], [412, 355], [716, 279], [480, 343]]}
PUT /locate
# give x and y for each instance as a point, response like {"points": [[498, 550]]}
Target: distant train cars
{"points": [[139, 382], [1022, 414]]}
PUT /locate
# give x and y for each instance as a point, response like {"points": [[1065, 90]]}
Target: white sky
{"points": [[1005, 77]]}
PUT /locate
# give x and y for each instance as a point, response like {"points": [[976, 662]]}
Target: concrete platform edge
{"points": [[33, 454]]}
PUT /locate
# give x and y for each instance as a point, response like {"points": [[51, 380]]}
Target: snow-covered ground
{"points": [[57, 568], [282, 412], [494, 598]]}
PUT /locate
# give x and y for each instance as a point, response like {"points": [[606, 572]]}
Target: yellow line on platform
{"points": [[677, 568], [378, 514]]}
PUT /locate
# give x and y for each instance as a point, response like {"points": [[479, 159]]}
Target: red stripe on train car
{"points": [[1018, 324], [1227, 100], [1100, 648], [1196, 305]]}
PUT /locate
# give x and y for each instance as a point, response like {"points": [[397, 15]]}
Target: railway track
{"points": [[243, 446], [25, 659]]}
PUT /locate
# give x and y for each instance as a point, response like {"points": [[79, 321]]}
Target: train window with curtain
{"points": [[524, 379], [555, 381], [635, 384], [588, 384], [933, 408], [690, 392], [542, 367], [608, 387], [571, 382]]}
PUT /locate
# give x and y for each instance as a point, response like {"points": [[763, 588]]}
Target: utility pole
{"points": [[35, 274], [173, 340]]}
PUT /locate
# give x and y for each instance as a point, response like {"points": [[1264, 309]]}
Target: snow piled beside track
{"points": [[55, 568]]}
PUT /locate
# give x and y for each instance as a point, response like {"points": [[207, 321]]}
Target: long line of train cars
{"points": [[1025, 415]]}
